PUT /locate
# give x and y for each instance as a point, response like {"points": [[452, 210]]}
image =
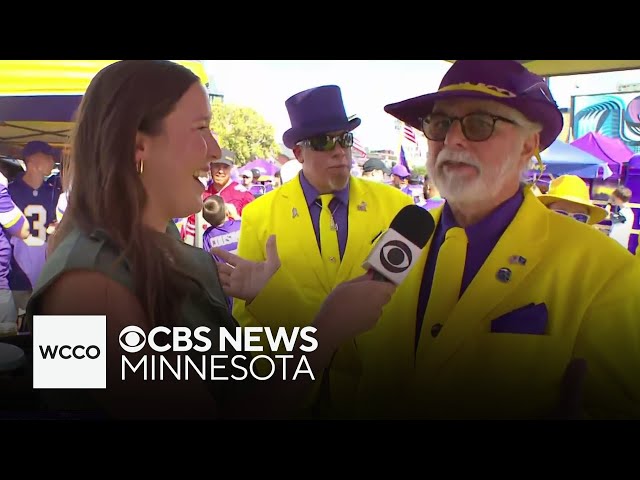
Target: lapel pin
{"points": [[362, 207], [504, 275], [517, 259], [294, 213]]}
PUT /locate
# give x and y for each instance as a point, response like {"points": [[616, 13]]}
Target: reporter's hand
{"points": [[245, 279], [352, 308]]}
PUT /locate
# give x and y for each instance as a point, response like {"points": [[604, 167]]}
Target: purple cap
{"points": [[37, 146], [400, 170]]}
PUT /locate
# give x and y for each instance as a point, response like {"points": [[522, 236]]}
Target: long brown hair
{"points": [[106, 191]]}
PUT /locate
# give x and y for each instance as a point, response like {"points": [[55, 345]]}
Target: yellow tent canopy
{"points": [[551, 68], [38, 98], [62, 77]]}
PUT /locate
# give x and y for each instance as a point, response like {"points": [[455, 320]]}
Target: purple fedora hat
{"points": [[316, 111], [504, 81]]}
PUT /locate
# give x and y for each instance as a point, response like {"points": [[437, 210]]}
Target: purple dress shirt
{"points": [[339, 206], [482, 238]]}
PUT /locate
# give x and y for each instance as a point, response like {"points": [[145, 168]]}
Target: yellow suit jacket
{"points": [[589, 286], [294, 294]]}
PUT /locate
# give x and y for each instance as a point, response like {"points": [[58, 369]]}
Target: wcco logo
{"points": [[69, 351]]}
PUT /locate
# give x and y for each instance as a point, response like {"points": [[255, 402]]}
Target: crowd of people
{"points": [[516, 308]]}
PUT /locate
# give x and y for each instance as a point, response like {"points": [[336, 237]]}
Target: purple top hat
{"points": [[504, 81], [316, 111]]}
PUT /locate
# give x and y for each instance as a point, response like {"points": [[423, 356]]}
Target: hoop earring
{"points": [[140, 166]]}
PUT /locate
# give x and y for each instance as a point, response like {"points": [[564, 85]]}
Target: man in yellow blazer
{"points": [[508, 298], [321, 241]]}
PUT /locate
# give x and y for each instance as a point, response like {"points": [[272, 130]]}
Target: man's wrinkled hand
{"points": [[245, 279]]}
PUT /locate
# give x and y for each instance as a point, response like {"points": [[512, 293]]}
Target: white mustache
{"points": [[459, 156]]}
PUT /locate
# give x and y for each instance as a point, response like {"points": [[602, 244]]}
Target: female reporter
{"points": [[141, 141]]}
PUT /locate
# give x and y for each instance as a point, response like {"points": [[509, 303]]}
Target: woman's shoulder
{"points": [[86, 252]]}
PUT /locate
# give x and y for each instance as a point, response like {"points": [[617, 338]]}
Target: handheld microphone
{"points": [[399, 248]]}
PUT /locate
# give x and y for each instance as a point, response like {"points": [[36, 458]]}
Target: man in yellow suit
{"points": [[324, 220], [509, 299]]}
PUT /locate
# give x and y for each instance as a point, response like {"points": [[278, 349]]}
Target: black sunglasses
{"points": [[476, 127], [326, 143]]}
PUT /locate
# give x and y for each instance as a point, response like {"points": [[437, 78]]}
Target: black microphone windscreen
{"points": [[415, 224]]}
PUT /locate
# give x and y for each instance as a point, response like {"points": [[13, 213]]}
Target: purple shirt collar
{"points": [[489, 228], [311, 194]]}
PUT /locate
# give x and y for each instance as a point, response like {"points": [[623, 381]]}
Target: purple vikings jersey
{"points": [[225, 236], [11, 220], [257, 190], [39, 208]]}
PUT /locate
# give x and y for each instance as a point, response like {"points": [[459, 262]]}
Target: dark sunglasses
{"points": [[476, 127], [581, 217], [326, 143]]}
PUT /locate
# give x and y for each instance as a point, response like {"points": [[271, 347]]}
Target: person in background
{"points": [[374, 169], [568, 195], [400, 178], [223, 185], [224, 230], [13, 224], [416, 188], [325, 221], [621, 215], [37, 199], [277, 179], [245, 179], [255, 176], [431, 194], [225, 225], [262, 184]]}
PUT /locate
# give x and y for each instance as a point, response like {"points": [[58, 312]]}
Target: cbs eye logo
{"points": [[132, 339], [395, 256]]}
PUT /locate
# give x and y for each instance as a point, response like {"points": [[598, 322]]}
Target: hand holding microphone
{"points": [[399, 248], [355, 307]]}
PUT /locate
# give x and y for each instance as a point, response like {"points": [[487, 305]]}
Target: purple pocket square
{"points": [[531, 319]]}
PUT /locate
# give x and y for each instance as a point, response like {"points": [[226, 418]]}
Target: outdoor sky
{"points": [[367, 86]]}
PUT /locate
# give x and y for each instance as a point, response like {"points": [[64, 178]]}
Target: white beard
{"points": [[462, 189]]}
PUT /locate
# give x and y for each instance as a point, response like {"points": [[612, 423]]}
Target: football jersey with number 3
{"points": [[39, 208]]}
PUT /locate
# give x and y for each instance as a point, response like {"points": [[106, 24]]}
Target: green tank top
{"points": [[204, 305]]}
